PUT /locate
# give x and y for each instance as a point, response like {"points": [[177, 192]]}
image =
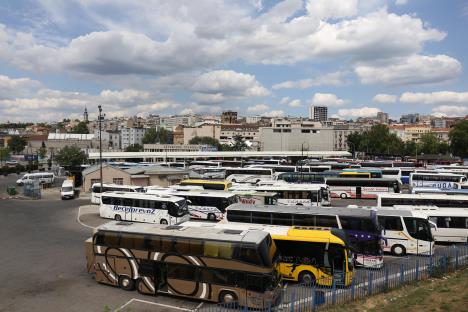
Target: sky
{"points": [[269, 58]]}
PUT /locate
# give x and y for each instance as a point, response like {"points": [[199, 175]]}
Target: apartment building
{"points": [[131, 136]]}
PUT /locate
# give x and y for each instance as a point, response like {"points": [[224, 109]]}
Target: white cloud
{"points": [[11, 88], [440, 97], [331, 79], [401, 2], [327, 99], [416, 69], [349, 113], [127, 95], [332, 9], [295, 103], [274, 113], [384, 98], [450, 110], [285, 100], [222, 85], [258, 108]]}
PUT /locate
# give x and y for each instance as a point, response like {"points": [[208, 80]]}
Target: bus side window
{"points": [[391, 223], [106, 200]]}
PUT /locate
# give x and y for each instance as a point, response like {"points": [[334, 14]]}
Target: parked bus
{"points": [[406, 232], [405, 174], [425, 190], [207, 205], [452, 223], [307, 255], [360, 225], [96, 190], [362, 188], [248, 175], [438, 180], [206, 264], [256, 198], [40, 177], [294, 194], [208, 184], [391, 173], [377, 164], [439, 200], [150, 208], [302, 177], [373, 172], [276, 168]]}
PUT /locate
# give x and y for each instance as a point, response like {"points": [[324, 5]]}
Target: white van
{"points": [[68, 189], [42, 177]]}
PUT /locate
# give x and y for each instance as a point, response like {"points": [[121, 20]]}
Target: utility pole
{"points": [[100, 118]]}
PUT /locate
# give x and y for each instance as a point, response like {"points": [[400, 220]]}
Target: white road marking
{"points": [[152, 303], [199, 306], [79, 221]]}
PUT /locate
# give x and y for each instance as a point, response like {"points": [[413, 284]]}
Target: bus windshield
{"points": [[418, 228], [178, 209]]}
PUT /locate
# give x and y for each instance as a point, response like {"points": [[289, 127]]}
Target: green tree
{"points": [[429, 144], [43, 151], [134, 148], [162, 136], [70, 156], [459, 139], [238, 144], [4, 153], [81, 128], [411, 148], [17, 144], [205, 141], [376, 141]]}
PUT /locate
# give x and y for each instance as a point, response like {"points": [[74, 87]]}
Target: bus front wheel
{"points": [[343, 196], [117, 217], [211, 217], [306, 277], [163, 221], [227, 297], [126, 283], [398, 250]]}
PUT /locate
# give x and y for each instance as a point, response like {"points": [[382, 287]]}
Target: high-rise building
{"points": [[318, 113], [382, 117], [229, 117]]}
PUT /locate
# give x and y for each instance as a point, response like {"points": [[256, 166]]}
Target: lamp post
{"points": [[100, 119]]}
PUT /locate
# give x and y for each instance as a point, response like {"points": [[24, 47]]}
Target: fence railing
{"points": [[312, 297]]}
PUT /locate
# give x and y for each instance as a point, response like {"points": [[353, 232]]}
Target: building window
{"points": [[287, 130], [118, 181], [276, 130], [305, 131]]}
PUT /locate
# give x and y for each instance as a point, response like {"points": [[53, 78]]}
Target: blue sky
{"points": [[272, 58]]}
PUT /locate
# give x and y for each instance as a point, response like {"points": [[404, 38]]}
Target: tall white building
{"points": [[130, 136], [318, 113]]}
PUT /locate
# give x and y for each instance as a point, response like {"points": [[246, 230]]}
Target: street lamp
{"points": [[100, 119]]}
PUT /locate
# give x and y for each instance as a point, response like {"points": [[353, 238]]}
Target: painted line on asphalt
{"points": [[199, 306], [79, 221], [152, 303]]}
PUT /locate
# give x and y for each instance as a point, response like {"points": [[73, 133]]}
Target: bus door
{"points": [[160, 277], [358, 191], [128, 203]]}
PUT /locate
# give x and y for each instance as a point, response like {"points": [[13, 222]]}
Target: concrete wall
{"points": [[280, 139]]}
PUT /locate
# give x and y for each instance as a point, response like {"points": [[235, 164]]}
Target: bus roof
{"points": [[201, 181], [224, 194], [394, 211], [427, 173], [306, 210], [158, 197], [424, 196], [323, 235], [116, 185], [246, 236], [280, 186]]}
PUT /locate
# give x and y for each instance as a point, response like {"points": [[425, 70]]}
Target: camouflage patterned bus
{"points": [[215, 265]]}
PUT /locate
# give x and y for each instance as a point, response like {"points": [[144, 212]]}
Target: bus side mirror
{"points": [[433, 226], [189, 202]]}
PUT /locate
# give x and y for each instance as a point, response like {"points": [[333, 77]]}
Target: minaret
{"points": [[85, 115]]}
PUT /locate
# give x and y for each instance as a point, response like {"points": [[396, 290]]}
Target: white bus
{"points": [[439, 200], [248, 175], [41, 177], [391, 173], [405, 232], [277, 168], [362, 187], [149, 208], [437, 180], [452, 223], [96, 190], [294, 194], [208, 205]]}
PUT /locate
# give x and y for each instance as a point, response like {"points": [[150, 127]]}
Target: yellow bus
{"points": [[355, 174], [308, 255], [214, 265], [219, 185]]}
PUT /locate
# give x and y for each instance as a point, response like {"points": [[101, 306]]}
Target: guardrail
{"points": [[312, 297]]}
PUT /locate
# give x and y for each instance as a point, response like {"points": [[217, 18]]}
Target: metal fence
{"points": [[312, 297]]}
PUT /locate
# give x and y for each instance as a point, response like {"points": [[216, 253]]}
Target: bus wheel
{"points": [[163, 221], [306, 277], [343, 196], [211, 217], [227, 297], [233, 181], [117, 217], [126, 283], [398, 250]]}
